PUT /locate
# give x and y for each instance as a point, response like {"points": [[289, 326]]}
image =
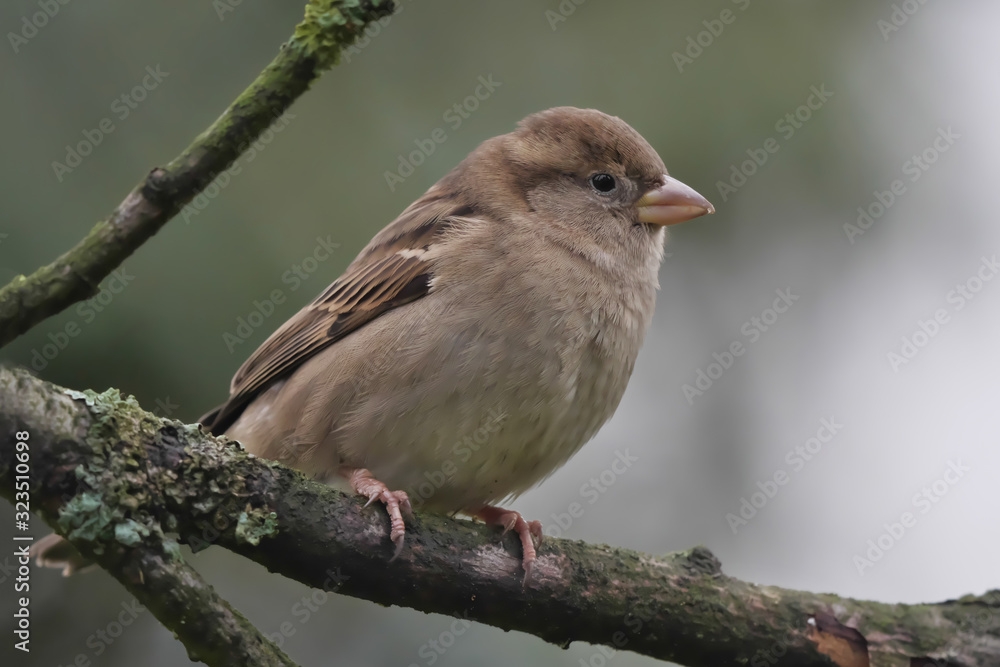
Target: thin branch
{"points": [[329, 26], [110, 477], [208, 626]]}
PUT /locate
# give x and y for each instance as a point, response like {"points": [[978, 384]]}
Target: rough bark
{"points": [[121, 482], [329, 27], [89, 493]]}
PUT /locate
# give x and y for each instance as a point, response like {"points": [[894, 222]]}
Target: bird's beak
{"points": [[671, 203]]}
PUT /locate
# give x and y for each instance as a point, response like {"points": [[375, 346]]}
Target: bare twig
{"points": [[329, 26]]}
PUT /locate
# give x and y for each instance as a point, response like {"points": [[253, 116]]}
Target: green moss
{"points": [[330, 26]]}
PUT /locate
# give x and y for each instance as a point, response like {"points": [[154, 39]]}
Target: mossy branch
{"points": [[329, 27], [119, 481], [97, 501]]}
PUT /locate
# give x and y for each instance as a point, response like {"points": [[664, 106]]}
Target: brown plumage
{"points": [[482, 337]]}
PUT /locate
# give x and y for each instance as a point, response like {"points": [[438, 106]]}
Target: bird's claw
{"points": [[396, 502], [530, 533]]}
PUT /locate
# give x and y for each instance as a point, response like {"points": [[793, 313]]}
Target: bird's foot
{"points": [[396, 502], [530, 532]]}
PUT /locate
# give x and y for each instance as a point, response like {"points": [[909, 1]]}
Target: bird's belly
{"points": [[459, 416], [500, 434]]}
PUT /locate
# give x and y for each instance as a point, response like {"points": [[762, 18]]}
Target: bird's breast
{"points": [[513, 393]]}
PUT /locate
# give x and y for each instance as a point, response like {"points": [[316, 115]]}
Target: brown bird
{"points": [[481, 338]]}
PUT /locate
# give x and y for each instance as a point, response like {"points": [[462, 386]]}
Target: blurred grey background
{"points": [[887, 92]]}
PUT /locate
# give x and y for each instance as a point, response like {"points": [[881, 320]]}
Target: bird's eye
{"points": [[603, 182]]}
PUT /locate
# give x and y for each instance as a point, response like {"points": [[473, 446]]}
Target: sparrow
{"points": [[481, 338]]}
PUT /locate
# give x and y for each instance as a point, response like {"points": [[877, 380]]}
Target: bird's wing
{"points": [[390, 272]]}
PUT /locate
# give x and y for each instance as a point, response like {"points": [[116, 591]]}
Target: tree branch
{"points": [[124, 540], [329, 26], [117, 480], [211, 630]]}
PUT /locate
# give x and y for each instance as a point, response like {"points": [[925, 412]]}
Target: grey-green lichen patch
{"points": [[88, 396], [113, 416], [255, 524], [191, 432], [330, 26], [115, 513], [108, 400], [86, 517], [135, 462], [130, 533]]}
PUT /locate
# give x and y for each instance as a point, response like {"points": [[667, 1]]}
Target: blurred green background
{"points": [[158, 332]]}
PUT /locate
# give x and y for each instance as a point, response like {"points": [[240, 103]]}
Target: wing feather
{"points": [[390, 272]]}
